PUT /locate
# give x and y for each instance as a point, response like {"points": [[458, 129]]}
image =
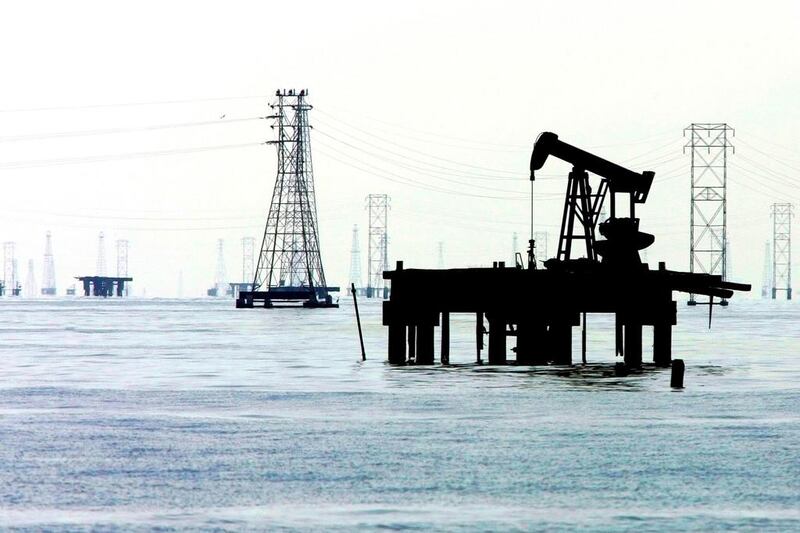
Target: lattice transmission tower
{"points": [[355, 261], [290, 261], [101, 255], [709, 145], [378, 256], [48, 268], [782, 249], [440, 253]]}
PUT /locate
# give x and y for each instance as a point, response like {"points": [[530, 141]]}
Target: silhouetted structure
{"points": [[782, 249], [540, 307], [708, 217], [377, 261], [48, 268], [289, 267], [104, 286], [221, 287]]}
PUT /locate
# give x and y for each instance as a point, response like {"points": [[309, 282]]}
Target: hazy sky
{"points": [[110, 120]]}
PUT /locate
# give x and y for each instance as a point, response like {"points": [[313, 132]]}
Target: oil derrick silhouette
{"points": [[48, 271], [289, 266]]}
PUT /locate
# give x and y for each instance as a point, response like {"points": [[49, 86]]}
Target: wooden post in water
{"points": [[358, 320], [678, 368], [445, 355]]}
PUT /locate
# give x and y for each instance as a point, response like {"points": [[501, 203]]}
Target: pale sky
{"points": [[110, 120]]}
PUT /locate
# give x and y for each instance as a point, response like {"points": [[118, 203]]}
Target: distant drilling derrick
{"points": [[440, 250], [766, 280], [355, 261], [220, 287], [782, 249], [289, 266], [708, 218], [30, 281], [101, 255], [10, 283], [48, 268], [377, 261], [248, 269]]}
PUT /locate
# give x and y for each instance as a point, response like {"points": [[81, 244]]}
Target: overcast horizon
{"points": [[144, 123]]}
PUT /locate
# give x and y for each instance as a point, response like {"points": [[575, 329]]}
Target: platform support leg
{"points": [[424, 344], [397, 344], [497, 342], [662, 344], [478, 337], [633, 344]]}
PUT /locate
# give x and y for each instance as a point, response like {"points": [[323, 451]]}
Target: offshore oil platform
{"points": [[540, 307]]}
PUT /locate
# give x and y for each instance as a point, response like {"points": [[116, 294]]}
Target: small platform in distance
{"points": [[308, 297]]}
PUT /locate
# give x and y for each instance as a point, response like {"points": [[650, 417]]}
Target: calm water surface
{"points": [[189, 414]]}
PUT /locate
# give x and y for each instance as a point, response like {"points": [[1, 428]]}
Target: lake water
{"points": [[190, 414]]}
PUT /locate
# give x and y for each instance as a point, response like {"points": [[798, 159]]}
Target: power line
{"points": [[110, 131], [118, 157], [130, 104]]}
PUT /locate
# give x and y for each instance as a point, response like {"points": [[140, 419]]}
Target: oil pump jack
{"points": [[539, 307], [582, 205]]}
